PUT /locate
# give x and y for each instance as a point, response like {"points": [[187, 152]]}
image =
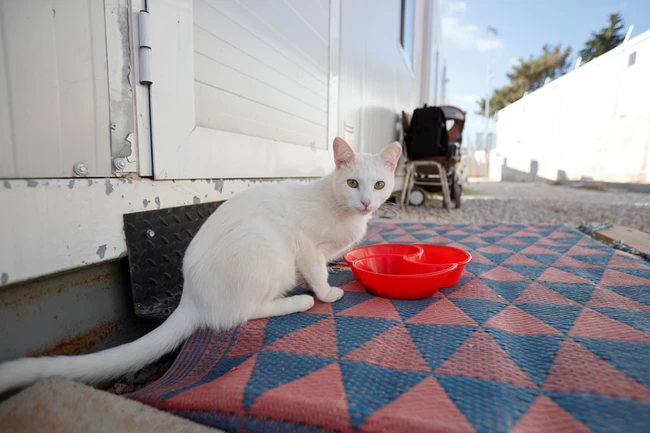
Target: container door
{"points": [[243, 89]]}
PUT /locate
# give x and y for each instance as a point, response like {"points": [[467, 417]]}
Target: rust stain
{"points": [[44, 288], [83, 342]]}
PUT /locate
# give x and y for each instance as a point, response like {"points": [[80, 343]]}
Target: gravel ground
{"points": [[133, 382], [532, 203]]}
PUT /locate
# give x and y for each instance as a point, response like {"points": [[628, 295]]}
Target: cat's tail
{"points": [[106, 364]]}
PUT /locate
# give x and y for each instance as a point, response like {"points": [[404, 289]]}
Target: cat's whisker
{"points": [[389, 209]]}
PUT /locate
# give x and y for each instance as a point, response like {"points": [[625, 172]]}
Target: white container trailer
{"points": [[114, 106]]}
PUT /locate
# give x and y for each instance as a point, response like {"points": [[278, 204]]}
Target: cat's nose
{"points": [[366, 203]]}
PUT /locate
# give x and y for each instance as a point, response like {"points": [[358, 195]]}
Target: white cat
{"points": [[243, 261]]}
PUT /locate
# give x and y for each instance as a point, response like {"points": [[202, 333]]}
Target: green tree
{"points": [[529, 75], [604, 40]]}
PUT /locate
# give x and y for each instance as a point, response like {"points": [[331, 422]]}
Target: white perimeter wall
{"points": [[593, 122]]}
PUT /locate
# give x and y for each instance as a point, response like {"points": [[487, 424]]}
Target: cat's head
{"points": [[363, 182]]}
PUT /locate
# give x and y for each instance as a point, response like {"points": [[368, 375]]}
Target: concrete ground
{"points": [[54, 406], [531, 203]]}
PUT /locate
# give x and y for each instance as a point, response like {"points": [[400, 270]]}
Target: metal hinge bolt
{"points": [[150, 233], [80, 169], [120, 163]]}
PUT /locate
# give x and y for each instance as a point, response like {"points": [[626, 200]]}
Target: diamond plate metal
{"points": [[156, 242]]}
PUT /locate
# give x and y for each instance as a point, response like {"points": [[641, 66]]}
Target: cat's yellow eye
{"points": [[380, 185], [353, 183]]}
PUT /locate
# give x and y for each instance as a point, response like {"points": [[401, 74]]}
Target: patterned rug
{"points": [[547, 331]]}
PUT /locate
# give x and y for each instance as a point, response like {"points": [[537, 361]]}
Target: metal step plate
{"points": [[156, 242]]}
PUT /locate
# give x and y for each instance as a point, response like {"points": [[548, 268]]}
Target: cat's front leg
{"points": [[312, 265]]}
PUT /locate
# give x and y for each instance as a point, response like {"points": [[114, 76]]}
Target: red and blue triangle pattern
{"points": [[547, 331]]}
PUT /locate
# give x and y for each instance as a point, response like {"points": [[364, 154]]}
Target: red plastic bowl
{"points": [[382, 250], [396, 278], [444, 255]]}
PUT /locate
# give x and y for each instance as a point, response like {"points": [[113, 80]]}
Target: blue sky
{"points": [[523, 26]]}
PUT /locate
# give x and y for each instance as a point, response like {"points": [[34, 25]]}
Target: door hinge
{"points": [[144, 47]]}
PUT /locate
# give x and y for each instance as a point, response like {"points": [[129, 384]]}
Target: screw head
{"points": [[113, 126], [120, 163], [150, 233], [80, 169]]}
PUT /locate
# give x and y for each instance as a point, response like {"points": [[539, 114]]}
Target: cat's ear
{"points": [[391, 155], [343, 153]]}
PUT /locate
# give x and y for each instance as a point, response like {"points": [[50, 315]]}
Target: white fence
{"points": [[477, 163], [593, 122]]}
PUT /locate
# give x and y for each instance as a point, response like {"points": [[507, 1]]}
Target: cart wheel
{"points": [[417, 197]]}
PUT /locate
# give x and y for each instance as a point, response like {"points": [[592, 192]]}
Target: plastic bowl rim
{"points": [[350, 262], [451, 267], [461, 263]]}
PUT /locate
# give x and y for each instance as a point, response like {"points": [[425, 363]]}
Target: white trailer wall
{"points": [[377, 78]]}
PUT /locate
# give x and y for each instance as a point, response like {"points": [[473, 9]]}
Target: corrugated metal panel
{"points": [[261, 68], [54, 109]]}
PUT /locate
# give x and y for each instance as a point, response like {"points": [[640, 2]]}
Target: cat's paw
{"points": [[333, 295], [306, 302]]}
